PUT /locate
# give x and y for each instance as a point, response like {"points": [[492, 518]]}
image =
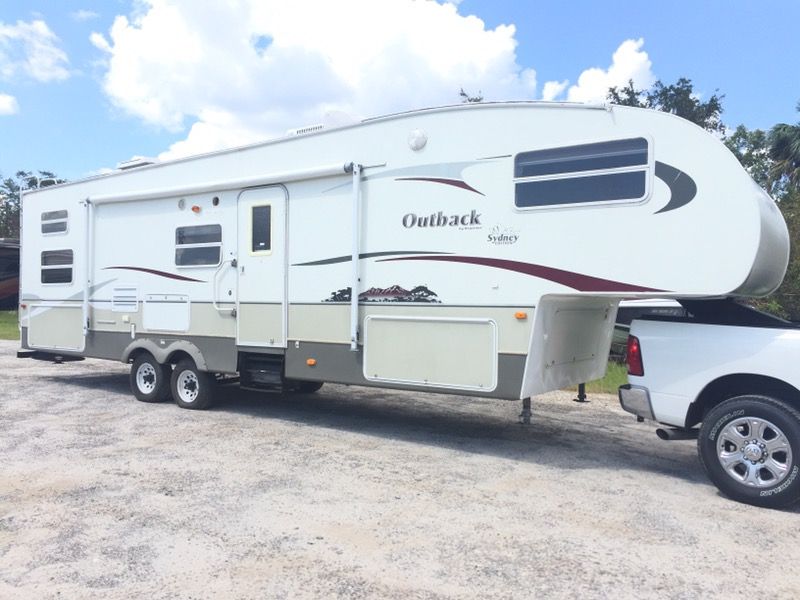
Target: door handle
{"points": [[214, 285]]}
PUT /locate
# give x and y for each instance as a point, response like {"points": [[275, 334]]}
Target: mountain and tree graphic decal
{"points": [[394, 293]]}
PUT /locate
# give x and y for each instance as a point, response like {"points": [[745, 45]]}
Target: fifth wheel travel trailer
{"points": [[474, 249]]}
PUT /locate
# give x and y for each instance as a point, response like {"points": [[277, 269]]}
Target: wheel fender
{"points": [[162, 352]]}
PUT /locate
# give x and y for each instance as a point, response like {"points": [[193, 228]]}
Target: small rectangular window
{"points": [[575, 190], [54, 221], [261, 229], [585, 157], [609, 171], [57, 266], [199, 245], [199, 234]]}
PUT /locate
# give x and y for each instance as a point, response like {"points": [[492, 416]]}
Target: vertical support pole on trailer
{"points": [[87, 276], [355, 284], [525, 415], [581, 393]]}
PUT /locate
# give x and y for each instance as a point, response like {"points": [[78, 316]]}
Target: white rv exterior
{"points": [[492, 245]]}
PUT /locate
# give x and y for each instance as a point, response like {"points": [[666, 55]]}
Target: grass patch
{"points": [[9, 329], [616, 375]]}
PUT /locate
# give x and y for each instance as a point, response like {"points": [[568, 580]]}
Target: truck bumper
{"points": [[636, 399]]}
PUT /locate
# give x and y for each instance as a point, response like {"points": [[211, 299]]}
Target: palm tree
{"points": [[784, 149]]}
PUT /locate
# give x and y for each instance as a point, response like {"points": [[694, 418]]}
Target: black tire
{"points": [[750, 448], [192, 388], [149, 379], [304, 387]]}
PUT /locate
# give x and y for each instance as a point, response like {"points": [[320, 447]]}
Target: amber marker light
{"points": [[311, 362], [196, 209], [520, 315]]}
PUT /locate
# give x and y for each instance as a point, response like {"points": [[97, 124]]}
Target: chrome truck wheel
{"points": [[749, 447], [191, 388], [149, 379]]}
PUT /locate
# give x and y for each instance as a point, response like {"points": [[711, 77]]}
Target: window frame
{"points": [[199, 245], [648, 169], [250, 230], [64, 220], [70, 266]]}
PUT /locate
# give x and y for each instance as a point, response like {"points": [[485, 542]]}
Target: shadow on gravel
{"points": [[555, 438], [109, 382], [558, 437]]}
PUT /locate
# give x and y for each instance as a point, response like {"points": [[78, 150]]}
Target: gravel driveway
{"points": [[359, 493]]}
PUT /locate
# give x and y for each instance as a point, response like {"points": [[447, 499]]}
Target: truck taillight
{"points": [[634, 357]]}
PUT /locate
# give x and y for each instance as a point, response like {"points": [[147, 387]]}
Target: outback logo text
{"points": [[471, 220]]}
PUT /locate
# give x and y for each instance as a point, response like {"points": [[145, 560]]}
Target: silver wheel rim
{"points": [[754, 452], [188, 386], [146, 378]]}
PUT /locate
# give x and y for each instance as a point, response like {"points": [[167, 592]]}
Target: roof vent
{"points": [[135, 162], [307, 129]]}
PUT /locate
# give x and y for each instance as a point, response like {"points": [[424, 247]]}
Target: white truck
{"points": [[727, 375]]}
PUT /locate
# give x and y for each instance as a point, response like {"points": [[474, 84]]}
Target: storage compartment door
{"points": [[54, 327], [436, 352]]}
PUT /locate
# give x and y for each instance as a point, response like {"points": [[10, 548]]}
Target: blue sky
{"points": [[172, 79]]}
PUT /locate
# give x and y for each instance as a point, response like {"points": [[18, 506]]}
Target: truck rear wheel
{"points": [[192, 388], [149, 378], [750, 448]]}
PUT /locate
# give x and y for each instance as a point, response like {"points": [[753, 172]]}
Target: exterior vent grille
{"points": [[304, 130], [125, 299]]}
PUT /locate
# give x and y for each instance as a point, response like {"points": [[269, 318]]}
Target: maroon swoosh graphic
{"points": [[454, 182], [577, 281], [159, 273]]}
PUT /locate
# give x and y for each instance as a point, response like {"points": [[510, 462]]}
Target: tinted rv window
{"points": [[57, 266], [261, 235], [586, 157], [54, 221], [200, 245], [609, 171], [199, 234], [598, 188]]}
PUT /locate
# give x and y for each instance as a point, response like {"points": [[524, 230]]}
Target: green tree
{"points": [[784, 176], [10, 191], [785, 301], [784, 150], [751, 147], [678, 98], [628, 96]]}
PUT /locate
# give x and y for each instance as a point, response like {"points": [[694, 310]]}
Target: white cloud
{"points": [[83, 15], [553, 89], [8, 105], [31, 49], [257, 69], [629, 62]]}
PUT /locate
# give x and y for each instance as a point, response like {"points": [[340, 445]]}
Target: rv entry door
{"points": [[261, 257]]}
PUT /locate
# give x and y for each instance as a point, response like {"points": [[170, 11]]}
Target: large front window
{"points": [[609, 171]]}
